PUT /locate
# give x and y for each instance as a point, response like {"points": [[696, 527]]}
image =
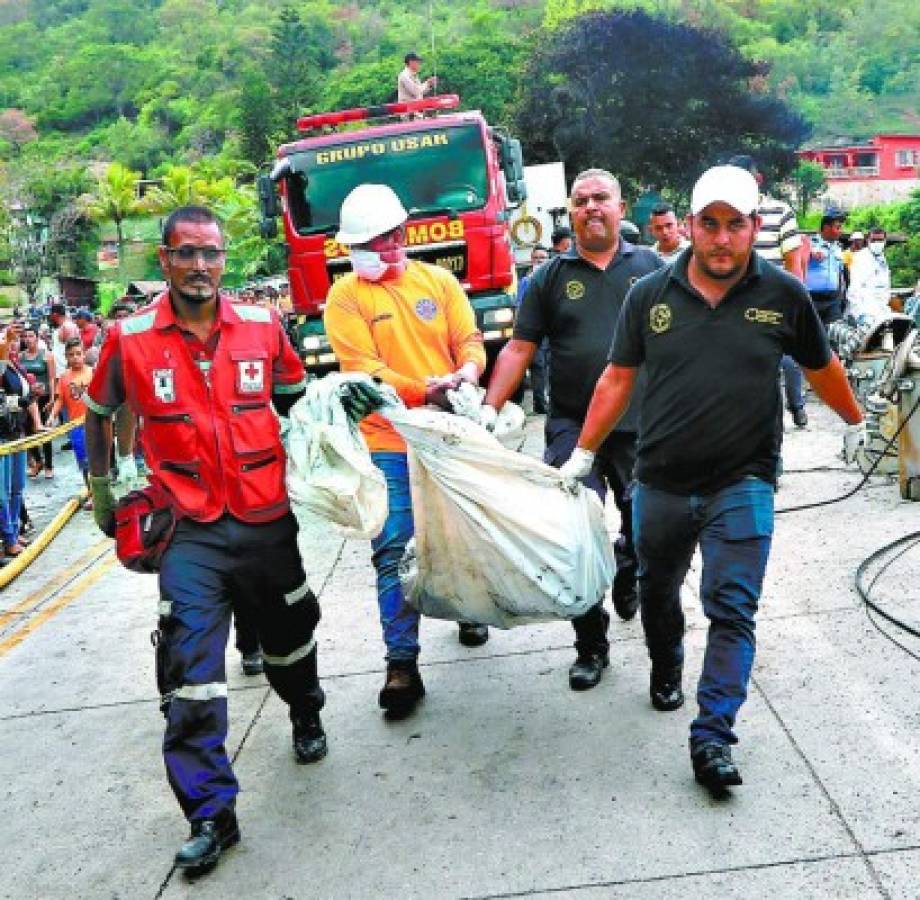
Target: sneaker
{"points": [[402, 689], [800, 417], [714, 769]]}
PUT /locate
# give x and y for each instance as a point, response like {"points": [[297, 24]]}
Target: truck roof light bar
{"points": [[360, 114]]}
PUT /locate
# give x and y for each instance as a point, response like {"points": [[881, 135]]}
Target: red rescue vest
{"points": [[211, 441]]}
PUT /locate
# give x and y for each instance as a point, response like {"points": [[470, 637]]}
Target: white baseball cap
{"points": [[726, 184], [857, 236]]}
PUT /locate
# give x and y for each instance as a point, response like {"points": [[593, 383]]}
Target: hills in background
{"points": [[153, 82]]}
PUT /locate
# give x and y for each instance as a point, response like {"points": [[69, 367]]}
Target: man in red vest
{"points": [[203, 373]]}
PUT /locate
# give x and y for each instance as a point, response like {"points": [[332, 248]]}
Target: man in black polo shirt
{"points": [[574, 301], [709, 333]]}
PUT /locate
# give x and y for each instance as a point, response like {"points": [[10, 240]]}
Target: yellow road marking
{"points": [[53, 584], [52, 609]]}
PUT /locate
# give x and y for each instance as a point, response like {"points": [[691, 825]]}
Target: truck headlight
{"points": [[311, 342], [498, 316]]}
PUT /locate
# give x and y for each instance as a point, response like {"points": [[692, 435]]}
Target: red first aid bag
{"points": [[144, 525]]}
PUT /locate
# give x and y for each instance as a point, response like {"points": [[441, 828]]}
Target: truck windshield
{"points": [[441, 170]]}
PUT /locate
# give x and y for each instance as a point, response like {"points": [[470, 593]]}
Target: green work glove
{"points": [[360, 399], [100, 486]]}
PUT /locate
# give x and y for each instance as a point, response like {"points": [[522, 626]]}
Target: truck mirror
{"points": [[268, 199]]}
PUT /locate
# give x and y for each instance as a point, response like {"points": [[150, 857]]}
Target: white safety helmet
{"points": [[368, 211]]}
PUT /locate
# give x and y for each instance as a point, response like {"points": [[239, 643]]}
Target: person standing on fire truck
{"points": [[410, 325], [203, 372]]}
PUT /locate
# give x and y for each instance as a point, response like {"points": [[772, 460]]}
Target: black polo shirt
{"points": [[576, 305], [711, 402]]}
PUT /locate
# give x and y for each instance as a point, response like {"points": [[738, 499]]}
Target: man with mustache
{"points": [[574, 301], [203, 374], [709, 332]]}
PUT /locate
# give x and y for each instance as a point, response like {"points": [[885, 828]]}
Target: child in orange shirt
{"points": [[70, 389]]}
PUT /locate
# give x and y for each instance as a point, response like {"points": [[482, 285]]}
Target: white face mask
{"points": [[370, 265], [877, 247]]}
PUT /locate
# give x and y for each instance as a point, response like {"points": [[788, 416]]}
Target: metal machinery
{"points": [[901, 388], [882, 360]]}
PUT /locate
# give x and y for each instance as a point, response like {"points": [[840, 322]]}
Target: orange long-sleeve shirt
{"points": [[402, 331]]}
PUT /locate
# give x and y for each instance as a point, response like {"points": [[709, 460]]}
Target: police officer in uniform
{"points": [[203, 373], [574, 300], [709, 333]]}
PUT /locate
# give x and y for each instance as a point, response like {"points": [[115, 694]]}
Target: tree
{"points": [[654, 101], [297, 57], [809, 183], [16, 130], [115, 199], [255, 117], [180, 186]]}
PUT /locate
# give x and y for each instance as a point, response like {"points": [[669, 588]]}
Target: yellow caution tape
{"points": [[36, 440]]}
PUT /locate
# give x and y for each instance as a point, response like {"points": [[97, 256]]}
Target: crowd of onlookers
{"points": [[46, 359]]}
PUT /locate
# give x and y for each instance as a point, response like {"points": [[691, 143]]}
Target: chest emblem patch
{"points": [[659, 318], [574, 290], [426, 309], [250, 376], [763, 316], [164, 385]]}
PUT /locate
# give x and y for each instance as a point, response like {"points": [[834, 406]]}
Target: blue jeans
{"points": [[792, 383], [12, 484], [399, 620], [734, 529]]}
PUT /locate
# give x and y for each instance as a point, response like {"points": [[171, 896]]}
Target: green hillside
{"points": [[147, 82]]}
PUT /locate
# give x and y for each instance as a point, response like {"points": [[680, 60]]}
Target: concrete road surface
{"points": [[505, 783]]}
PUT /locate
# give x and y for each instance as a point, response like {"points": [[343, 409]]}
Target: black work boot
{"points": [[585, 673], [402, 689], [308, 737], [713, 767], [665, 687], [472, 635], [209, 838], [625, 596], [252, 664]]}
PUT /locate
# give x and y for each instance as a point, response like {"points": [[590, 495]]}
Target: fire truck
{"points": [[457, 176]]}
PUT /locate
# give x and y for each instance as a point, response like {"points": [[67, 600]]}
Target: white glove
{"points": [[577, 466], [488, 415], [127, 469], [853, 438]]}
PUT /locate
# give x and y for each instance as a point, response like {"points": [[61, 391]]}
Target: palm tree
{"points": [[181, 186], [115, 198]]}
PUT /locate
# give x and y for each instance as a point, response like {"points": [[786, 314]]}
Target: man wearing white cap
{"points": [[710, 331]]}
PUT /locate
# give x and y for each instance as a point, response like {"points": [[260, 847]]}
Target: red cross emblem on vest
{"points": [[251, 376]]}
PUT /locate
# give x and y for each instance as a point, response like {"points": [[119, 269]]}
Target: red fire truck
{"points": [[457, 176]]}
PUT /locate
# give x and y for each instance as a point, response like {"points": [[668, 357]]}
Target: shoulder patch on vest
{"points": [[138, 324], [249, 313]]}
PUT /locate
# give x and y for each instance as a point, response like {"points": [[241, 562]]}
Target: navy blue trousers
{"points": [[733, 528], [208, 568]]}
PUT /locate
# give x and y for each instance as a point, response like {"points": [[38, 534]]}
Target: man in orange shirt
{"points": [[71, 387], [410, 325]]}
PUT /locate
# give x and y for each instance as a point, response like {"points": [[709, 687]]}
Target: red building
{"points": [[880, 170]]}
